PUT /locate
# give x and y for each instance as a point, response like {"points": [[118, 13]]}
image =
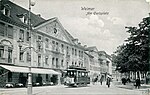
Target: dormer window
{"points": [[6, 10], [23, 18]]}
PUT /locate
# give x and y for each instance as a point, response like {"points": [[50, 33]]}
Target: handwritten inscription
{"points": [[92, 11]]}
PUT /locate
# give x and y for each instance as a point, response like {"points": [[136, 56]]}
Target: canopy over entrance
{"points": [[26, 70]]}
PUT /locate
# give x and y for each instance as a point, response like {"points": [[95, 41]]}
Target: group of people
{"points": [[137, 82], [108, 80]]}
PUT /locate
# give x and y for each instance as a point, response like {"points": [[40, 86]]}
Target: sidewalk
{"points": [[131, 86]]}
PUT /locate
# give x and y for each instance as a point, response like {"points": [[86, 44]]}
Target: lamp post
{"points": [[29, 86]]}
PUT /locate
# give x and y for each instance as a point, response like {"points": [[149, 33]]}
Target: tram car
{"points": [[76, 76]]}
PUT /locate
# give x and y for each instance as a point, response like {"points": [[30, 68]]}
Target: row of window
{"points": [[74, 52], [55, 46], [55, 62]]}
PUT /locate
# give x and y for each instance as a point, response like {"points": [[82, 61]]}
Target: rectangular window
{"points": [[67, 51], [62, 48], [21, 35], [10, 31], [21, 56], [57, 63], [39, 60], [39, 45], [28, 36], [46, 60], [79, 53], [53, 45], [75, 52], [46, 43], [1, 51], [9, 55], [2, 29], [28, 56], [72, 51], [57, 46], [53, 61]]}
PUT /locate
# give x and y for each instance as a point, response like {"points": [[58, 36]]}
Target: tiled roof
{"points": [[14, 11]]}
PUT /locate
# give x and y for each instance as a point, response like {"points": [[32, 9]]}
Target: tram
{"points": [[76, 76]]}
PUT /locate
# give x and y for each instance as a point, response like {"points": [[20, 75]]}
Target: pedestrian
{"points": [[95, 80], [101, 79], [137, 83], [124, 81], [108, 81]]}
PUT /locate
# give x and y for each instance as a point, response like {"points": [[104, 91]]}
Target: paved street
{"points": [[64, 90]]}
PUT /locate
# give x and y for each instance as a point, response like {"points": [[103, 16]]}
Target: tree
{"points": [[133, 54]]}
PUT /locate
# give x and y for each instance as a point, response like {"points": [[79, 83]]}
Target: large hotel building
{"points": [[53, 48]]}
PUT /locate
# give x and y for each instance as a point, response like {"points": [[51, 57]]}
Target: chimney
{"points": [[39, 15]]}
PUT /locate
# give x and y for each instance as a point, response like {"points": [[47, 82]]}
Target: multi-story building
{"points": [[105, 63], [94, 66], [53, 48]]}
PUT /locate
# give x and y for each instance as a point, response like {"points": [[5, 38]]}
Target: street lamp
{"points": [[29, 86]]}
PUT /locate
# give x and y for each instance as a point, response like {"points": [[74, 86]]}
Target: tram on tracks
{"points": [[76, 76]]}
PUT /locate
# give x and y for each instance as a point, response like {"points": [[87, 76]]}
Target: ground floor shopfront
{"points": [[18, 76]]}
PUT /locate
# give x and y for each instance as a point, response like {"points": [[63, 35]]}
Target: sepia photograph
{"points": [[74, 47]]}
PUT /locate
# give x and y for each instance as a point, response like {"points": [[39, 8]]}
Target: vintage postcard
{"points": [[74, 47]]}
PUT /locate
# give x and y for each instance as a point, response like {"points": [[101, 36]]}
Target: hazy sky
{"points": [[105, 31]]}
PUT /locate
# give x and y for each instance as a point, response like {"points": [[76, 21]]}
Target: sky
{"points": [[99, 23]]}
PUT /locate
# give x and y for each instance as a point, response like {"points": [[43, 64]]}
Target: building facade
{"points": [[53, 48]]}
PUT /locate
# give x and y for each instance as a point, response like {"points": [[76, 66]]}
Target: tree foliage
{"points": [[133, 55]]}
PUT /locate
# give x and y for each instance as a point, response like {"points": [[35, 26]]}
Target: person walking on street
{"points": [[138, 83], [108, 81], [101, 79]]}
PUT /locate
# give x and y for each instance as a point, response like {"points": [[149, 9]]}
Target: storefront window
{"points": [[10, 77]]}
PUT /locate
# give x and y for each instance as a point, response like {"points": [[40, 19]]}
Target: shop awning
{"points": [[26, 70]]}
